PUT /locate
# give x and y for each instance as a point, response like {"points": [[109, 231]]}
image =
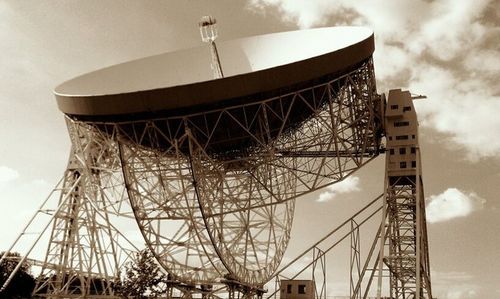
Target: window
{"points": [[402, 164], [390, 137], [402, 137], [391, 151], [302, 288], [413, 164], [402, 151], [401, 123], [412, 136], [289, 288], [406, 108], [413, 150], [394, 107]]}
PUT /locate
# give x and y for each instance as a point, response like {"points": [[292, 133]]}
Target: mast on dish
{"points": [[208, 31]]}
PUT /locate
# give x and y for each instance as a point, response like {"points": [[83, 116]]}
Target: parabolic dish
{"points": [[224, 159], [175, 81]]}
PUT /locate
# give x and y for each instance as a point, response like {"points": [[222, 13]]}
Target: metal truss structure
{"points": [[210, 215], [233, 209], [311, 263], [407, 258], [404, 246], [403, 254], [86, 251], [213, 193]]}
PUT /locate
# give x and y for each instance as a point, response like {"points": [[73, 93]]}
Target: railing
{"points": [[329, 242]]}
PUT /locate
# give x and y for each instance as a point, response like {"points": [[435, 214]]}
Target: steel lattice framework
{"points": [[85, 251], [404, 246], [209, 170], [233, 209], [209, 214], [408, 256], [213, 192]]}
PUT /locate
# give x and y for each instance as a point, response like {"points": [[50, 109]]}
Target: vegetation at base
{"points": [[142, 278], [23, 283]]}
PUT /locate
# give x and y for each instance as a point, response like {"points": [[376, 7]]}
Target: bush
{"points": [[23, 283], [143, 278]]}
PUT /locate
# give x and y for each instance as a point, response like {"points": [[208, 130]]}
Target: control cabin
{"points": [[297, 289], [402, 134]]}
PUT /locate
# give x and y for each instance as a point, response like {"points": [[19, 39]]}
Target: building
{"points": [[297, 289], [402, 135]]}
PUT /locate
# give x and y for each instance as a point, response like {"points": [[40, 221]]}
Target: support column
{"points": [[405, 247], [83, 257]]}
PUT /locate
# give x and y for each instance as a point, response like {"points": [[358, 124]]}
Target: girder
{"points": [[211, 179], [404, 251], [84, 256], [239, 203], [207, 212]]}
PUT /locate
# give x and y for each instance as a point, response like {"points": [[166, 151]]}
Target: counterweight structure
{"points": [[210, 171], [405, 247]]}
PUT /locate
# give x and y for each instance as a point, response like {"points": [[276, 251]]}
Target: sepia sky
{"points": [[448, 50]]}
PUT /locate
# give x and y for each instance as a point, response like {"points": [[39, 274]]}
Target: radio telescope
{"points": [[211, 167]]}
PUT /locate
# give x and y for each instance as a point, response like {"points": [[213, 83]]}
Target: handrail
{"points": [[323, 252]]}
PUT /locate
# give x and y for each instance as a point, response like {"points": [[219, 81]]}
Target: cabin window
{"points": [[413, 164], [401, 123], [402, 137], [402, 151], [302, 288], [289, 288], [406, 108], [402, 164], [394, 107], [391, 151], [413, 150]]}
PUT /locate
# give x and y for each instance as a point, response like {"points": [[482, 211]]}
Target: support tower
{"points": [[404, 246]]}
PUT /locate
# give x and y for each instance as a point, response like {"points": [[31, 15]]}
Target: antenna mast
{"points": [[208, 31]]}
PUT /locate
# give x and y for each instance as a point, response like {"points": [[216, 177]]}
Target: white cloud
{"points": [[454, 285], [461, 82], [303, 12], [387, 16], [391, 61], [483, 61], [349, 184], [325, 196], [465, 110], [441, 26], [8, 174], [452, 203], [451, 28]]}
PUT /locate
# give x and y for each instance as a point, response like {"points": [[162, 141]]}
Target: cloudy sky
{"points": [[448, 50]]}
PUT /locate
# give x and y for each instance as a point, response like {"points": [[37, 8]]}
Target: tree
{"points": [[23, 283], [143, 278]]}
